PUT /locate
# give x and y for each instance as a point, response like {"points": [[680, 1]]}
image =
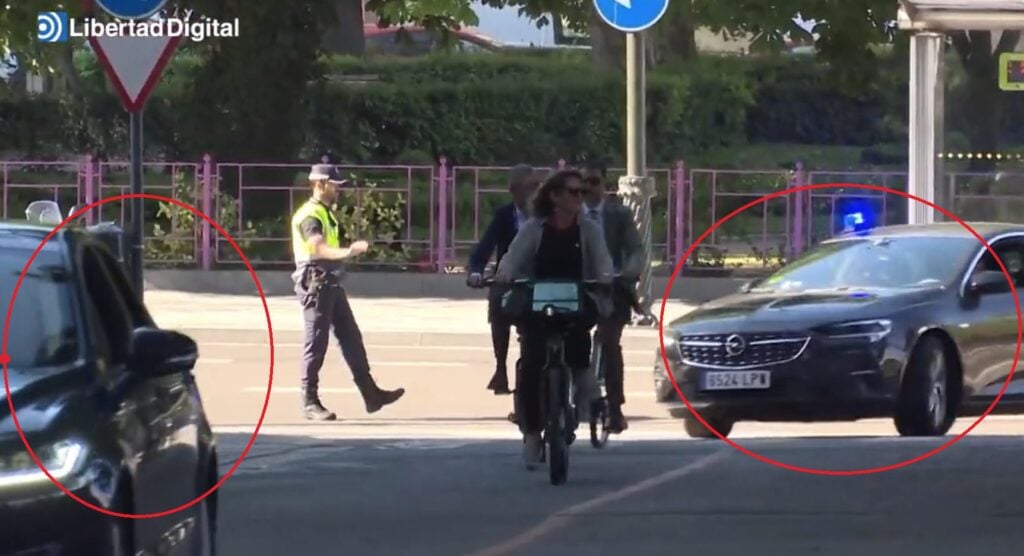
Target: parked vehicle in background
{"points": [[916, 323]]}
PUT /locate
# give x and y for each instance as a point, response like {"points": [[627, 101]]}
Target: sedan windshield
{"points": [[42, 331], [906, 262]]}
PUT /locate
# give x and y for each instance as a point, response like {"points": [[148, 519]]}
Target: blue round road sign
{"points": [[631, 16], [131, 9]]}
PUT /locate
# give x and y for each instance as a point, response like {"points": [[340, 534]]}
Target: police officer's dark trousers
{"points": [[330, 309]]}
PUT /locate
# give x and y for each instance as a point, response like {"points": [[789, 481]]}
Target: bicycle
{"points": [[600, 412], [560, 304]]}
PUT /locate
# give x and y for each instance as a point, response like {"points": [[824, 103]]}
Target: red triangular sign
{"points": [[134, 64]]}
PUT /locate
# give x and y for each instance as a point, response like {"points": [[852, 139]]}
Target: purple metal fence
{"points": [[439, 212], [470, 185], [267, 194]]}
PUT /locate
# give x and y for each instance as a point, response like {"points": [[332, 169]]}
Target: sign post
{"points": [[134, 66], [636, 189]]}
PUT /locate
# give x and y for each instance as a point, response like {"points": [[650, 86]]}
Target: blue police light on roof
{"points": [[856, 215]]}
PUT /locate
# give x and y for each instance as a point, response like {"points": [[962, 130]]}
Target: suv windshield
{"points": [[902, 262], [42, 331]]}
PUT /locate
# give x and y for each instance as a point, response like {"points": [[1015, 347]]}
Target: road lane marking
{"points": [[419, 363], [562, 518], [488, 349], [296, 390]]}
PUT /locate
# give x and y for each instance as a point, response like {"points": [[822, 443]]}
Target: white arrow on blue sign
{"points": [[631, 16]]}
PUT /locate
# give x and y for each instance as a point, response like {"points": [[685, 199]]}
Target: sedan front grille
{"points": [[739, 351]]}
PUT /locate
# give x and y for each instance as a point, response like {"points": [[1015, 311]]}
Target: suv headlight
{"points": [[60, 459], [871, 330]]}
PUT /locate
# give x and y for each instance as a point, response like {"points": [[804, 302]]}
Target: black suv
{"points": [[108, 403]]}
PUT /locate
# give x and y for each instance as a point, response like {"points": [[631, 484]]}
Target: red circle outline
{"points": [[808, 470], [7, 326]]}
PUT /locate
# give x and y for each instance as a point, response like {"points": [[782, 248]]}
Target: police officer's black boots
{"points": [[314, 410], [374, 397]]}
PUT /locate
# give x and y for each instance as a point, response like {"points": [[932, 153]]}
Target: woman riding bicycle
{"points": [[555, 244]]}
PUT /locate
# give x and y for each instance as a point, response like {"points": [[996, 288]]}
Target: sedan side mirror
{"points": [[156, 352], [989, 281]]}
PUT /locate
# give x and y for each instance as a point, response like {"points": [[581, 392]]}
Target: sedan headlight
{"points": [[871, 330], [671, 346], [60, 459]]}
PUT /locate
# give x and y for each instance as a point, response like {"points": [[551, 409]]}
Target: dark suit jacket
{"points": [[499, 235], [622, 238]]}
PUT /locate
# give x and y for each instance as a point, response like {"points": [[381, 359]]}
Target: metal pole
{"points": [[925, 71], [636, 189], [137, 204]]}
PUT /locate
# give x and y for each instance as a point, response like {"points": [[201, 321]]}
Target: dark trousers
{"points": [[611, 348], [331, 309], [614, 365], [501, 330], [532, 387]]}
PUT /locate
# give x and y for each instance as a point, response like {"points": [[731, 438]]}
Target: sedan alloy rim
{"points": [[937, 396]]}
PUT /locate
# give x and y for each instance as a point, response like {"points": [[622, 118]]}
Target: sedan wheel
{"points": [[696, 429], [937, 400], [925, 408]]}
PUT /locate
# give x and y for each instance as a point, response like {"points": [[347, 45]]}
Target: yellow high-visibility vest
{"points": [[301, 249]]}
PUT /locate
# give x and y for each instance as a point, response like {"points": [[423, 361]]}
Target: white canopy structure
{"points": [[928, 21]]}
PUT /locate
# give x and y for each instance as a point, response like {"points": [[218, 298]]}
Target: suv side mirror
{"points": [[988, 281], [745, 288], [155, 352]]}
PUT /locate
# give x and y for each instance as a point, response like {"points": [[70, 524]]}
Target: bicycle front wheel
{"points": [[558, 426]]}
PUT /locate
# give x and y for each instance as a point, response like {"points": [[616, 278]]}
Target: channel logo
{"points": [[52, 26]]}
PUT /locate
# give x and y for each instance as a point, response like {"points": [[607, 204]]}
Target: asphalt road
{"points": [[439, 472], [471, 497]]}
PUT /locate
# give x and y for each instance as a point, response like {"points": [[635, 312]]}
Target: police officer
{"points": [[319, 269]]}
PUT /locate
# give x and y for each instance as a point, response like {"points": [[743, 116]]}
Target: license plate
{"points": [[737, 380]]}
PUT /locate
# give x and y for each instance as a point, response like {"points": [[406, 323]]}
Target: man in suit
{"points": [[626, 248], [523, 183]]}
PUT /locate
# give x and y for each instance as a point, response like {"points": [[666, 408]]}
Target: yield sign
{"points": [[134, 64]]}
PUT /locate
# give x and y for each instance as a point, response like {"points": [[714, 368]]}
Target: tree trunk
{"points": [[674, 38], [70, 81], [984, 112], [608, 46], [346, 36]]}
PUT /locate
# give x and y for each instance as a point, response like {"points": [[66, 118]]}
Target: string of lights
{"points": [[981, 156]]}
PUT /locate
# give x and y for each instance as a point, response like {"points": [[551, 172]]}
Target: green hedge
{"points": [[508, 114], [496, 109]]}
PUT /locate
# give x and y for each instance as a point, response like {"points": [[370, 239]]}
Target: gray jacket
{"points": [[518, 263], [623, 239]]}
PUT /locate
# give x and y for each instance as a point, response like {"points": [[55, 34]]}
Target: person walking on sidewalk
{"points": [[319, 270], [508, 218]]}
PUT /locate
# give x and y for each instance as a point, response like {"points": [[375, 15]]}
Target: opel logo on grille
{"points": [[734, 345]]}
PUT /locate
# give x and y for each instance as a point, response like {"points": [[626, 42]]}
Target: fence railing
{"points": [[429, 217]]}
